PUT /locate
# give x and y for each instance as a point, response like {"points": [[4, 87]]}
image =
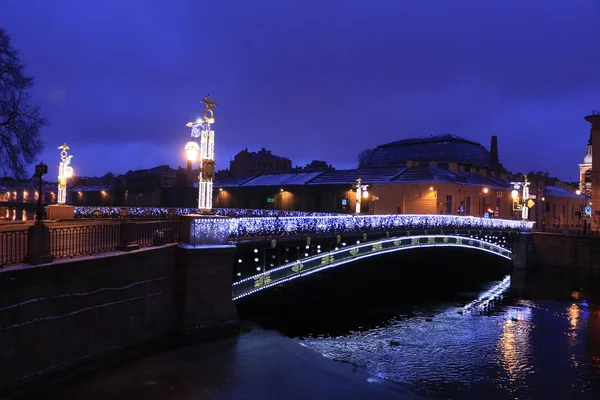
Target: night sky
{"points": [[310, 79]]}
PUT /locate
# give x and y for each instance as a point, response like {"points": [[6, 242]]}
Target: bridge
{"points": [[159, 274], [272, 247], [275, 250]]}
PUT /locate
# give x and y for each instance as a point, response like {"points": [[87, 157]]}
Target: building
{"points": [[442, 174], [314, 166], [441, 150], [418, 189], [585, 169], [144, 187], [247, 163]]}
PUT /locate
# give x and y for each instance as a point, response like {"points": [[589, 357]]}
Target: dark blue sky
{"points": [[310, 79]]}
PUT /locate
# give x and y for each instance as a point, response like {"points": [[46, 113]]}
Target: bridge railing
{"points": [[13, 246], [156, 233], [74, 241], [83, 240]]}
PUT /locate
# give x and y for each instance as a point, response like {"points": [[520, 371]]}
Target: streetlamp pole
{"points": [[583, 210], [585, 205], [361, 190], [40, 170], [204, 153]]}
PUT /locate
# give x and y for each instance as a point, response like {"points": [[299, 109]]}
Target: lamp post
{"points": [[41, 169], [485, 191], [361, 191], [65, 171], [583, 211], [203, 153]]}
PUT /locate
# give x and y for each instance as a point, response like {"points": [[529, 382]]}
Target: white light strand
{"points": [[310, 265]]}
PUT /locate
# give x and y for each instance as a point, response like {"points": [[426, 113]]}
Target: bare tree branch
{"points": [[20, 120], [364, 157]]}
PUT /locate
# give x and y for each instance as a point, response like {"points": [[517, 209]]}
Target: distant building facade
{"points": [[247, 163], [441, 150], [585, 169]]}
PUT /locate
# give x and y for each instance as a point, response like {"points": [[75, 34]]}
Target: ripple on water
{"points": [[451, 349]]}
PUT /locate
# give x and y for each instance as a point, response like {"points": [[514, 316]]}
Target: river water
{"points": [[450, 327]]}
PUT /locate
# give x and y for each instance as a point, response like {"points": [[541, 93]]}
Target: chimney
{"points": [[482, 171], [453, 166], [433, 164], [494, 161], [409, 164]]}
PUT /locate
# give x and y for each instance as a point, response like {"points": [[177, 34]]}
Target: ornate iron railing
{"points": [[157, 233], [84, 240], [13, 246]]}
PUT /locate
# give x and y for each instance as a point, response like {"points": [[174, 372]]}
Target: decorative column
{"points": [[525, 210], [65, 171], [204, 153]]}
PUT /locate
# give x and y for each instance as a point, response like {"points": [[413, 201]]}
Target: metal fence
{"points": [[13, 246], [157, 233], [84, 240]]}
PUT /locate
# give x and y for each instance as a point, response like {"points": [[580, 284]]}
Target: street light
{"points": [[583, 210], [65, 171], [40, 170], [484, 190], [361, 192], [203, 153]]}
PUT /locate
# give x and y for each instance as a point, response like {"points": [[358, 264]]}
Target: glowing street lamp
{"points": [[361, 192], [203, 153], [65, 171]]}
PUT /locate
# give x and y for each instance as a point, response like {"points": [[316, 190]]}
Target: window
{"points": [[498, 209], [553, 210], [564, 213], [468, 205], [449, 209]]}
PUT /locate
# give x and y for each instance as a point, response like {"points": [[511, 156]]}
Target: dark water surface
{"points": [[417, 320]]}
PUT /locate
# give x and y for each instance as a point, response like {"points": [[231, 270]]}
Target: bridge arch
{"points": [[303, 267]]}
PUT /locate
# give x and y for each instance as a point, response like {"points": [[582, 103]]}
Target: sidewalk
{"points": [[256, 365]]}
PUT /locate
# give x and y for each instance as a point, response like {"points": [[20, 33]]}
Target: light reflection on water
{"points": [[526, 350]]}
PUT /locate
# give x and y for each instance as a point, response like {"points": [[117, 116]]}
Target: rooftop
{"points": [[443, 148]]}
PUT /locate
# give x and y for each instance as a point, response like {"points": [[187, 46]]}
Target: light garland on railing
{"points": [[268, 226], [292, 223], [170, 212]]}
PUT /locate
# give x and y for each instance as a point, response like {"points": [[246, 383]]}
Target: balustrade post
{"points": [[38, 244], [128, 236], [204, 276]]}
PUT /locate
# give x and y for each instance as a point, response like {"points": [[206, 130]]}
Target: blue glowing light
{"points": [[310, 265]]}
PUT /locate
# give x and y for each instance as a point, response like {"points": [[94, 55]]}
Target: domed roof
{"points": [[588, 158], [443, 148]]}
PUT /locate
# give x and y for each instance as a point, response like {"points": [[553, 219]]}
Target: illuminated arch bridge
{"points": [[347, 254]]}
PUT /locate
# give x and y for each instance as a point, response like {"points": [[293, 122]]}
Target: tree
{"points": [[20, 120], [364, 157]]}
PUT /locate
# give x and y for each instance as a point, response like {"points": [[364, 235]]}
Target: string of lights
{"points": [[310, 265], [166, 212]]}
